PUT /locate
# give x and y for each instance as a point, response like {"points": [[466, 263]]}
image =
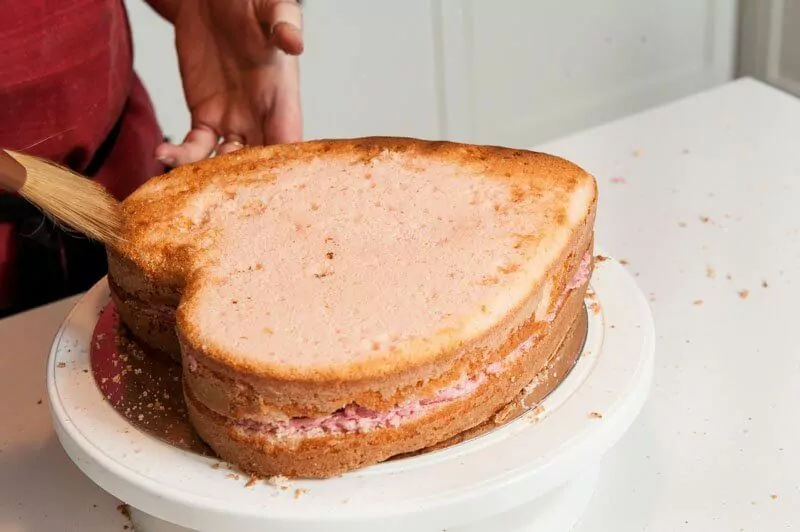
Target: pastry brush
{"points": [[66, 197]]}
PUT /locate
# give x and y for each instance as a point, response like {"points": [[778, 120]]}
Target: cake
{"points": [[336, 303]]}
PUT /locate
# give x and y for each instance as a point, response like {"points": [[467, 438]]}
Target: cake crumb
{"points": [[508, 268], [698, 302], [764, 284], [600, 258], [774, 496], [251, 482], [710, 272], [636, 153], [681, 224], [744, 293], [125, 510], [595, 415], [624, 262], [216, 465], [279, 481], [595, 307], [536, 413], [62, 364], [705, 219], [299, 492]]}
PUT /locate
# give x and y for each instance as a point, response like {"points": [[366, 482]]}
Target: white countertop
{"points": [[701, 198]]}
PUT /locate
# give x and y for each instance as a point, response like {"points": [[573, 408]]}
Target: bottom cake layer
{"points": [[531, 395], [315, 450]]}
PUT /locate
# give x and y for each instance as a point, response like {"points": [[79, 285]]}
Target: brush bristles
{"points": [[72, 200]]}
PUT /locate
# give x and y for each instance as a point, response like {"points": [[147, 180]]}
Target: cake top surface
{"points": [[334, 257]]}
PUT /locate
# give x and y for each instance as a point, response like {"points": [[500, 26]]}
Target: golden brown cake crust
{"points": [[330, 455]]}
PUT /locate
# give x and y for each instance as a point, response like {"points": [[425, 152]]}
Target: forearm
{"points": [[166, 8]]}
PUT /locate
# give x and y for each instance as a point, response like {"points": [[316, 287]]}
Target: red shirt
{"points": [[68, 93]]}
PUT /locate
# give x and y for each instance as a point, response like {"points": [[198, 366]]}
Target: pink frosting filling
{"points": [[580, 278], [357, 418], [582, 275]]}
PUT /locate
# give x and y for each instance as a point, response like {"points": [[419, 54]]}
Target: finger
{"points": [[197, 145], [288, 38], [231, 143], [283, 22], [284, 123]]}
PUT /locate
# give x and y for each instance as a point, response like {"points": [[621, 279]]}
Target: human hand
{"points": [[240, 72]]}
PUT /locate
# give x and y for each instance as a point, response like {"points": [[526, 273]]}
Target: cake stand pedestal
{"points": [[535, 473]]}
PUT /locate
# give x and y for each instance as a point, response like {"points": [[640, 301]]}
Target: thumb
{"points": [[282, 21]]}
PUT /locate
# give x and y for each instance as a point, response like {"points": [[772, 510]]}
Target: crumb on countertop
{"points": [[595, 415], [765, 284], [710, 272], [600, 258], [698, 302], [705, 219], [624, 262], [299, 492], [62, 364], [125, 510], [744, 293]]}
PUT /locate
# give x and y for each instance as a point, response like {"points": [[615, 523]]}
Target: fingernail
{"points": [[166, 159]]}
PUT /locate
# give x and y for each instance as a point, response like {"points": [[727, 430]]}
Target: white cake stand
{"points": [[535, 473]]}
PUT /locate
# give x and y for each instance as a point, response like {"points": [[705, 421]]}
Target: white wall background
{"points": [[512, 72]]}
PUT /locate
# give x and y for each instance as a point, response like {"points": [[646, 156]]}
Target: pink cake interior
{"points": [[357, 418], [448, 245]]}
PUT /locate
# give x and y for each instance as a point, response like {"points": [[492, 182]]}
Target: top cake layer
{"points": [[343, 258]]}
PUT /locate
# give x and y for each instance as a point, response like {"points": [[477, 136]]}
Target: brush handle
{"points": [[12, 173]]}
